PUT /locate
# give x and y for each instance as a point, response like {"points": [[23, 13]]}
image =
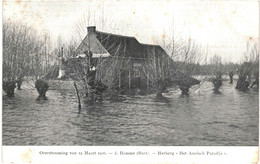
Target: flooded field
{"points": [[202, 119]]}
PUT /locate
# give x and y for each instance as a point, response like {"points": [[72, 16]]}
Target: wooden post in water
{"points": [[129, 76], [148, 80], [79, 106], [119, 78]]}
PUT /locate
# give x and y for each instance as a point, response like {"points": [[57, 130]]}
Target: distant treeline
{"points": [[208, 69]]}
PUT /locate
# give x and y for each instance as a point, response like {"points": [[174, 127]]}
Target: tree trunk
{"points": [[19, 83], [42, 87], [242, 83], [9, 87], [79, 105], [217, 82], [184, 90]]}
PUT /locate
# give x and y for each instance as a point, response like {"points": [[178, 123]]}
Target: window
{"points": [[135, 64], [137, 73]]}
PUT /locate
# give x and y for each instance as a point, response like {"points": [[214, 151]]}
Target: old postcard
{"points": [[120, 81]]}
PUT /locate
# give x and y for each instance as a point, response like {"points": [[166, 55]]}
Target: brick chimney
{"points": [[91, 29]]}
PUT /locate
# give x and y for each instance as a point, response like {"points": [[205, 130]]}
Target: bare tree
{"points": [[252, 53], [158, 69], [99, 18], [250, 67], [92, 73], [25, 54], [180, 65]]}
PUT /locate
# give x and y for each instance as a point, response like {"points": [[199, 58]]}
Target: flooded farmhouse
{"points": [[122, 57]]}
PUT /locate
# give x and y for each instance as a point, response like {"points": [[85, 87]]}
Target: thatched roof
{"points": [[125, 46]]}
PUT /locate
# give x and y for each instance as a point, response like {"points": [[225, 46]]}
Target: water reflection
{"points": [[42, 98], [217, 92], [161, 98], [184, 95]]}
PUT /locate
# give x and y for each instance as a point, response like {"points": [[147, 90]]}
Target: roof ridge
{"points": [[129, 37], [116, 34], [145, 44]]}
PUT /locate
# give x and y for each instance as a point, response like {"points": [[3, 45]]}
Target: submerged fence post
{"points": [[79, 106]]}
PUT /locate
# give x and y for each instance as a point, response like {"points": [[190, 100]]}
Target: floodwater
{"points": [[203, 118]]}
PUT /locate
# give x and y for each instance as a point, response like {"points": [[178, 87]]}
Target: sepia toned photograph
{"points": [[130, 73]]}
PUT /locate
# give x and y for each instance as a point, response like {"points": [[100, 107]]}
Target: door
{"points": [[136, 76]]}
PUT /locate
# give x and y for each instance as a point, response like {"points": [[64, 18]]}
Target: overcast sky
{"points": [[223, 26]]}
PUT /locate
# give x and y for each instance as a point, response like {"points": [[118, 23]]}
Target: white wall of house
{"points": [[61, 73]]}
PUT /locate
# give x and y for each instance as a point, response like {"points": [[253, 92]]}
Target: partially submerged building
{"points": [[120, 60]]}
